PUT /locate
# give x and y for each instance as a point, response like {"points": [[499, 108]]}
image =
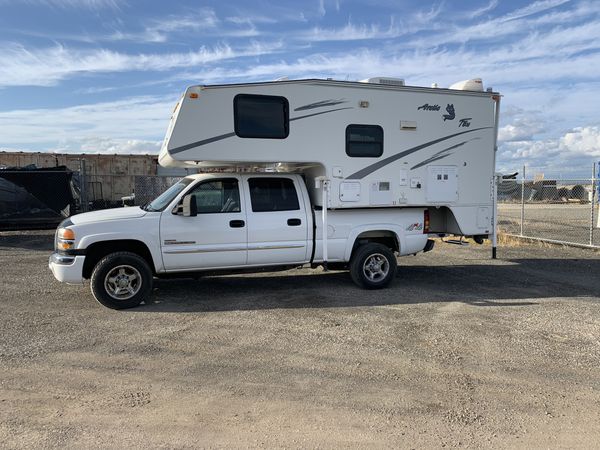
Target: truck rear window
{"points": [[273, 194]]}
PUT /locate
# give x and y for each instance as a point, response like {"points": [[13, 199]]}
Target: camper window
{"points": [[364, 141], [261, 116], [273, 194], [217, 196]]}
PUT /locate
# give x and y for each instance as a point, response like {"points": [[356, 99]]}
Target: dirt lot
{"points": [[462, 351], [567, 222]]}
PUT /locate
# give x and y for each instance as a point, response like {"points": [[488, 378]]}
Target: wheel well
{"points": [[384, 237], [98, 250]]}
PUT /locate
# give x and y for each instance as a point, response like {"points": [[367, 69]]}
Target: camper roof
{"points": [[358, 84]]}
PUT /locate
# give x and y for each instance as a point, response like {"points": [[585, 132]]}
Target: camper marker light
{"points": [[426, 221], [193, 95]]}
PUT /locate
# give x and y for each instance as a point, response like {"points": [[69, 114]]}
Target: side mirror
{"points": [[190, 208]]}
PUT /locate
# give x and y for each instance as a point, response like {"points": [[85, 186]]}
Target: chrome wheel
{"points": [[376, 267], [123, 282]]}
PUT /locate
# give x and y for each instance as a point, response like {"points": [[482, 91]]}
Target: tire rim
{"points": [[376, 267], [123, 282]]}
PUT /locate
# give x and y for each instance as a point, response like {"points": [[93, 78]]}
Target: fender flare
{"points": [[150, 243], [357, 231]]}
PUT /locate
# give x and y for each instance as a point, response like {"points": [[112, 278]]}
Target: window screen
{"points": [[364, 141], [217, 196], [261, 116], [273, 194]]}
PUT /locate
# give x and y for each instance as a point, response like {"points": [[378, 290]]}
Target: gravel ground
{"points": [[567, 222], [461, 351]]}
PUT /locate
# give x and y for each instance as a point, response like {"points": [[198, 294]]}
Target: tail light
{"points": [[426, 221]]}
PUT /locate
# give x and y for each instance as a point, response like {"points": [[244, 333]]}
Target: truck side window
{"points": [[364, 141], [273, 194], [261, 116], [217, 196]]}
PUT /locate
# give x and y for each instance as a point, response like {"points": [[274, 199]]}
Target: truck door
{"points": [[277, 221], [216, 237]]}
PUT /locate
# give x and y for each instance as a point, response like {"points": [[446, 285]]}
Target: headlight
{"points": [[65, 239]]}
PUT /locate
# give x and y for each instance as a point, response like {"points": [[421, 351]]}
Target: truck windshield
{"points": [[160, 202]]}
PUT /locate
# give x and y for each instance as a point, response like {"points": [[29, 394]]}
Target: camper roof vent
{"points": [[474, 84], [385, 80]]}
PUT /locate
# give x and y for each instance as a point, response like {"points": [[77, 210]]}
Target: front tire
{"points": [[373, 266], [121, 280]]}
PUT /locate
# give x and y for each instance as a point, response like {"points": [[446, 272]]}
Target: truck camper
{"points": [[379, 165]]}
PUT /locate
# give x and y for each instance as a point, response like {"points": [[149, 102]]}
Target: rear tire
{"points": [[121, 280], [373, 266]]}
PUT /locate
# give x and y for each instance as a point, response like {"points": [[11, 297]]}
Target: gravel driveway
{"points": [[461, 351]]}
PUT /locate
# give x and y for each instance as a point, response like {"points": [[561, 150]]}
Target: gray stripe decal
{"points": [[442, 153], [321, 104], [319, 113], [200, 143], [228, 135], [384, 162]]}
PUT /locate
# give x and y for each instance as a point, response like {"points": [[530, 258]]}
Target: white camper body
{"points": [[378, 145]]}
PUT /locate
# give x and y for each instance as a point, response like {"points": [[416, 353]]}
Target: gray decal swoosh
{"points": [[228, 135], [319, 113], [199, 143], [390, 159], [442, 153], [321, 104]]}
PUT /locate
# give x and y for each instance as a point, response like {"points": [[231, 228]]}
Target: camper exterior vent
{"points": [[385, 80], [469, 85]]}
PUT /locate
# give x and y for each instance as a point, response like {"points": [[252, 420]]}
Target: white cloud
{"points": [[484, 9], [321, 9], [104, 145], [521, 129], [582, 140], [533, 8], [158, 30], [571, 154], [20, 66], [123, 121], [352, 32]]}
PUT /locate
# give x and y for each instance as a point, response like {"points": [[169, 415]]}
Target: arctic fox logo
{"points": [[451, 114]]}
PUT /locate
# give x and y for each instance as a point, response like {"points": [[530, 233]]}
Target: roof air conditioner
{"points": [[385, 80], [469, 85]]}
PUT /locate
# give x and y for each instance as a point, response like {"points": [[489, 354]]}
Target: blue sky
{"points": [[104, 75]]}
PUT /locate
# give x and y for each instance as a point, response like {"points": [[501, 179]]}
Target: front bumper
{"points": [[67, 269]]}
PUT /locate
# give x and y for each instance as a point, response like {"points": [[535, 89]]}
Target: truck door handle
{"points": [[294, 222], [237, 223]]}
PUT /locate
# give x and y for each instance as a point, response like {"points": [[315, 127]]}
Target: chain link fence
{"points": [[554, 210], [111, 191]]}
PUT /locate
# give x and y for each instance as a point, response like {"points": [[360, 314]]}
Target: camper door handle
{"points": [[294, 222], [237, 223]]}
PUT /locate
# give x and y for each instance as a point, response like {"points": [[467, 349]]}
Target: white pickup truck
{"points": [[230, 222]]}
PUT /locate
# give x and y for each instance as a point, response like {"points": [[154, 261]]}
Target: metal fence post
{"points": [[495, 186], [83, 200], [522, 199], [592, 205]]}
